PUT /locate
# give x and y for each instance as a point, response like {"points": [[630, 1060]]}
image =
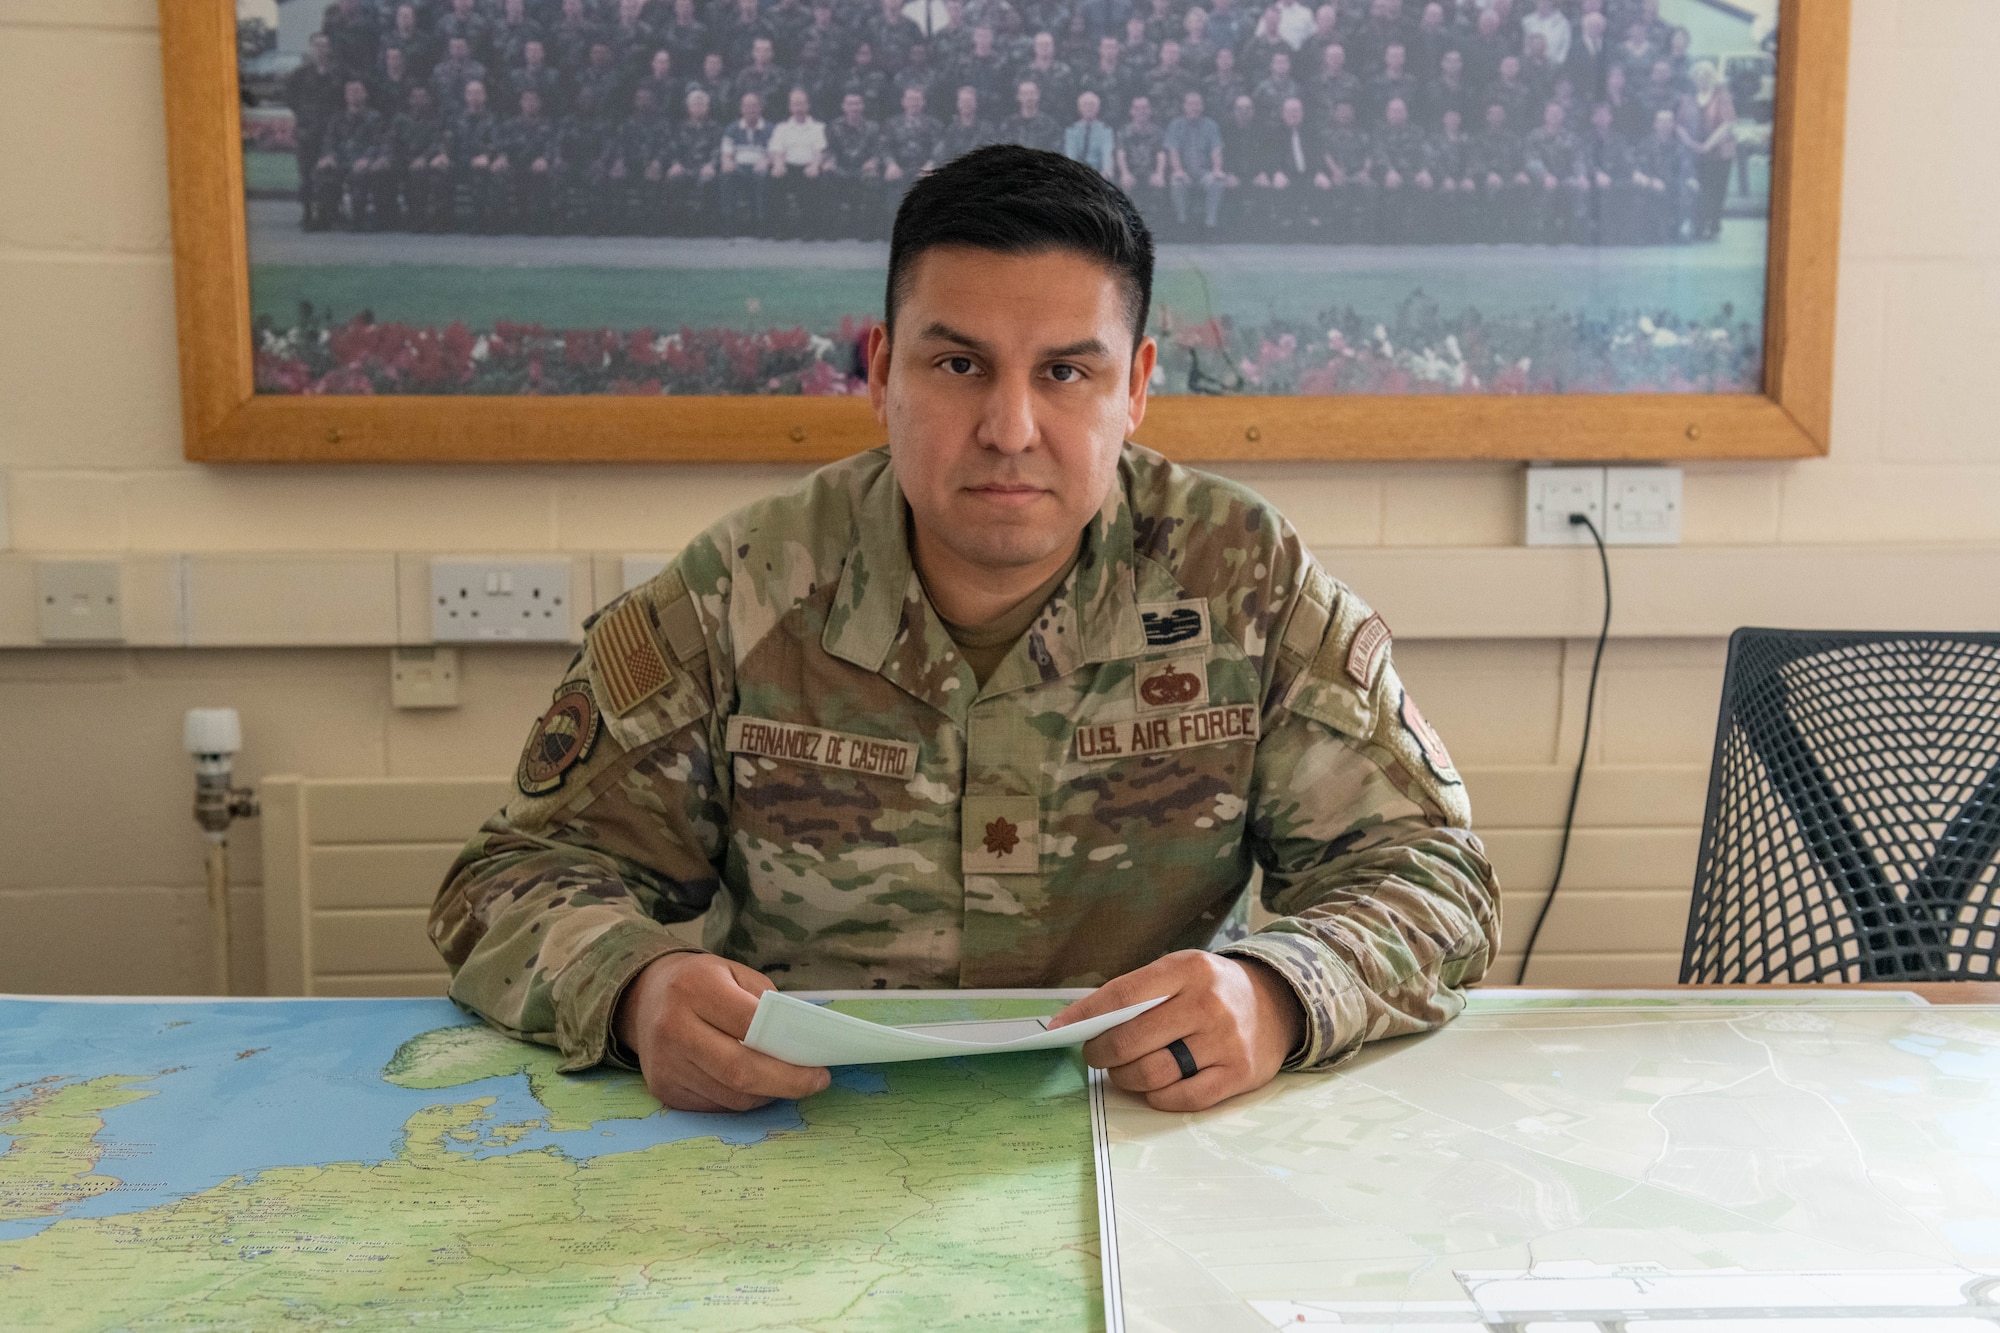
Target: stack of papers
{"points": [[802, 1033]]}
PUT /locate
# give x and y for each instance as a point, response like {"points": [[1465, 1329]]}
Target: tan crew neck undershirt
{"points": [[985, 646]]}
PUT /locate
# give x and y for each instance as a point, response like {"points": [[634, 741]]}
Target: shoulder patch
{"points": [[1428, 741], [559, 741], [1365, 653], [1171, 624], [626, 649]]}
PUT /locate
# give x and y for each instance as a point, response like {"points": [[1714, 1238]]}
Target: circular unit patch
{"points": [[560, 741], [1428, 741]]}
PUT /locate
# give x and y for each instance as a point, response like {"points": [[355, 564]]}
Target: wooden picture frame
{"points": [[226, 421]]}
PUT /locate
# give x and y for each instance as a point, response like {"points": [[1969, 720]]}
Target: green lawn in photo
{"points": [[270, 174]]}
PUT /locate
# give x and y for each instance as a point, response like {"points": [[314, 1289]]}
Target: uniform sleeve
{"points": [[1388, 906], [615, 830]]}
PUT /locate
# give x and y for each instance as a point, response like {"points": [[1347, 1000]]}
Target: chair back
{"points": [[1853, 813]]}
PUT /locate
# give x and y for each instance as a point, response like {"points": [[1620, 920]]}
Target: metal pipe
{"points": [[218, 911]]}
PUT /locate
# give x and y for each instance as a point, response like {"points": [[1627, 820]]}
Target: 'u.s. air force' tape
{"points": [[802, 1033]]}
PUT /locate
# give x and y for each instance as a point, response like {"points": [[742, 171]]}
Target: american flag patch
{"points": [[626, 649]]}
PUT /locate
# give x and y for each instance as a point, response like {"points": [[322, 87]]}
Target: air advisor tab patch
{"points": [[561, 740], [1365, 654]]}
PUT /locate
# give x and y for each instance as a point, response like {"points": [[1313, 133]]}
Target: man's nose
{"points": [[1008, 424]]}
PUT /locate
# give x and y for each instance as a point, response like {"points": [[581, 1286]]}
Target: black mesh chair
{"points": [[1853, 812]]}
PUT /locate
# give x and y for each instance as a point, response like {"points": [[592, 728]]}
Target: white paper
{"points": [[803, 1033]]}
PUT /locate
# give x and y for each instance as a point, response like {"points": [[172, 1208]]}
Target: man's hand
{"points": [[685, 1017], [1239, 1020]]}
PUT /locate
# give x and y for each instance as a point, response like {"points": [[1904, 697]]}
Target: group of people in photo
{"points": [[1586, 122]]}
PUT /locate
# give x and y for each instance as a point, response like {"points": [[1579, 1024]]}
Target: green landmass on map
{"points": [[52, 1159], [962, 1195]]}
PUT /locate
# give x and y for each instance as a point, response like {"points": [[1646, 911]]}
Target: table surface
{"points": [[1936, 992]]}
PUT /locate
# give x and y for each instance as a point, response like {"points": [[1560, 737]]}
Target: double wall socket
{"points": [[1631, 506], [500, 601], [80, 601]]}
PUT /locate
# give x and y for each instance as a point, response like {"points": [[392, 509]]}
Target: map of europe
{"points": [[390, 1163]]}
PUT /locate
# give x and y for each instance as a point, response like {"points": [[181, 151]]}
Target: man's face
{"points": [[913, 102], [1045, 47], [1663, 125], [1011, 387], [1454, 65], [1246, 110], [968, 105], [1393, 59], [697, 105], [534, 55], [662, 62], [864, 56], [1191, 106], [1281, 66], [1553, 116], [1397, 112], [1170, 54], [1030, 98], [850, 107], [1142, 111], [982, 41], [1343, 115], [1453, 123], [1333, 60], [1510, 69], [1496, 117], [1107, 51], [752, 108], [392, 61], [1294, 113], [531, 104], [800, 104], [1600, 118], [1225, 61], [642, 102], [1087, 106], [458, 49], [600, 56], [711, 67], [356, 94], [760, 52]]}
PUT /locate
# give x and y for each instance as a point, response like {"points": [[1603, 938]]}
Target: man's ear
{"points": [[1143, 362], [878, 372]]}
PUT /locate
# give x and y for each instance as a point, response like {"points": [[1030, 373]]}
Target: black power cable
{"points": [[1576, 783]]}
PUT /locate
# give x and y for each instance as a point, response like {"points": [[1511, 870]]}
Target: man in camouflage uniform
{"points": [[691, 189], [854, 168], [908, 140], [1007, 703], [314, 92], [1500, 167], [1561, 173], [527, 166], [416, 140], [352, 155], [1401, 159]]}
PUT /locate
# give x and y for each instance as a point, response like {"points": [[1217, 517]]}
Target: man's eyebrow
{"points": [[1082, 348], [937, 331]]}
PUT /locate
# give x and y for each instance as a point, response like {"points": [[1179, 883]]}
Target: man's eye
{"points": [[959, 365], [1065, 374]]}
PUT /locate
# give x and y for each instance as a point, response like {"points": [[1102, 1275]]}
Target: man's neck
{"points": [[968, 594]]}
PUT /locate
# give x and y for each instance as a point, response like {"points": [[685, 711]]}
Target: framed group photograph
{"points": [[655, 230]]}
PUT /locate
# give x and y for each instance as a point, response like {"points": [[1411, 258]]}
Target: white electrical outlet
{"points": [[80, 601], [503, 601], [1642, 506], [1554, 493], [639, 569], [423, 677]]}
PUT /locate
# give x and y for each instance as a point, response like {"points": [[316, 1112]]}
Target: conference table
{"points": [[1655, 1161]]}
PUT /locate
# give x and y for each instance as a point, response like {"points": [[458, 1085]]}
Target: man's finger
{"points": [[706, 1085], [1148, 1073], [1153, 980], [1150, 1031], [729, 1000], [738, 1068], [1198, 1093]]}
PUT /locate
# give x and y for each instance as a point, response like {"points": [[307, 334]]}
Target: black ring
{"points": [[1183, 1057]]}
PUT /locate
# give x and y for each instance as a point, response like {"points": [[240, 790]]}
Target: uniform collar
{"points": [[881, 620]]}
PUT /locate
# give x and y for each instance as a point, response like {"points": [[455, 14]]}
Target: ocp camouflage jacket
{"points": [[778, 731]]}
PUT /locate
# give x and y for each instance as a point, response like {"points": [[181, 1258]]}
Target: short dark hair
{"points": [[1022, 201]]}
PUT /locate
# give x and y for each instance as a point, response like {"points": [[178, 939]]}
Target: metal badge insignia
{"points": [[1365, 654], [1179, 682], [1428, 740], [562, 738], [1172, 624]]}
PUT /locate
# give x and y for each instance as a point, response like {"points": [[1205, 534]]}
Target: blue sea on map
{"points": [[301, 1083]]}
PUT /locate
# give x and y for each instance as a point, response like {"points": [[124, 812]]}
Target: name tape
{"points": [[824, 749], [1158, 735]]}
